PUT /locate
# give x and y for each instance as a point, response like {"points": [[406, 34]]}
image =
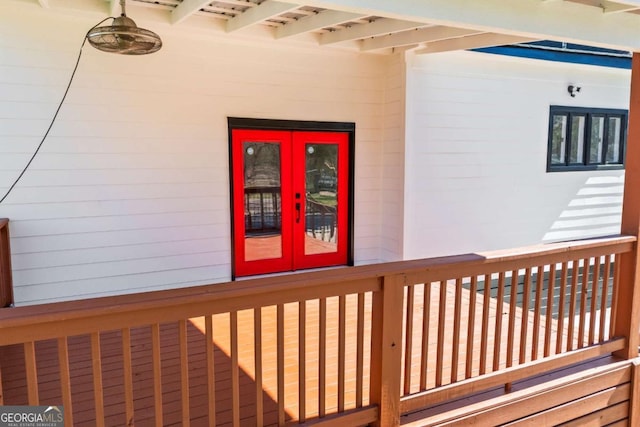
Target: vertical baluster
{"points": [[594, 300], [563, 290], [184, 372], [65, 379], [604, 295], [584, 294], [322, 358], [341, 350], [408, 339], [128, 376], [32, 372], [486, 298], [280, 362], [302, 361], [572, 303], [473, 293], [457, 317], [96, 364], [360, 352], [497, 343], [524, 324], [211, 373], [614, 292], [512, 317], [235, 372], [551, 284], [537, 314], [426, 317], [157, 373], [442, 310]]}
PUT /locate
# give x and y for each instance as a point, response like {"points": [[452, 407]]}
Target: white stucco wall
{"points": [[130, 192], [476, 154]]}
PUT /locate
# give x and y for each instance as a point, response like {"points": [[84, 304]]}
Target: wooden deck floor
{"points": [[267, 247], [14, 383]]}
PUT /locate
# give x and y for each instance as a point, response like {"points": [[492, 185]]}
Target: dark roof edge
{"points": [[574, 54]]}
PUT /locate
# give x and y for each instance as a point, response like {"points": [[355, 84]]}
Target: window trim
{"points": [[589, 114]]}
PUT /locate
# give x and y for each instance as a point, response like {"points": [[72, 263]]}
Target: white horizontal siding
{"points": [[130, 192], [476, 154], [393, 161]]}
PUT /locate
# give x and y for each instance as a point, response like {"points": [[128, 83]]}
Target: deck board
{"points": [[15, 392]]}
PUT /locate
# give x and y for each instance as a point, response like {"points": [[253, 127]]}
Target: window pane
{"points": [[558, 141], [596, 142], [262, 201], [613, 140], [577, 139], [321, 217]]}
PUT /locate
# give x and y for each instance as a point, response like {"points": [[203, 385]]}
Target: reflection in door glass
{"points": [[321, 184], [262, 201]]}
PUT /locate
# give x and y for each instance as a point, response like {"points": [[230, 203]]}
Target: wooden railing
{"points": [[349, 346], [498, 320]]}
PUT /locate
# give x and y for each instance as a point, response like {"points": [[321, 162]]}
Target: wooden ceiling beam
{"points": [[376, 28], [471, 42], [317, 21], [617, 7], [422, 35], [186, 9], [266, 10]]}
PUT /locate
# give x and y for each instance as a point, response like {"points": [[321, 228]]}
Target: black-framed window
{"points": [[586, 138]]}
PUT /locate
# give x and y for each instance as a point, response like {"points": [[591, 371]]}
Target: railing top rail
{"points": [[136, 309], [436, 269]]}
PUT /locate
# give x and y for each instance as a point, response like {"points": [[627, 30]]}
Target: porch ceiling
{"points": [[380, 26]]}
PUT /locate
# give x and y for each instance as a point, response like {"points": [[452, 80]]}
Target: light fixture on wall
{"points": [[124, 37], [573, 90]]}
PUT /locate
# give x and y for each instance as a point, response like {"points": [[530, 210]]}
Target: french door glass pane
{"points": [[321, 188], [577, 139], [596, 140], [558, 140], [613, 140], [262, 201]]}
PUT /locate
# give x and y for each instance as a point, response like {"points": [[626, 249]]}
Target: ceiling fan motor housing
{"points": [[124, 37]]}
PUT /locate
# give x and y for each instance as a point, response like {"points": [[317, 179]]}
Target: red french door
{"points": [[290, 200]]}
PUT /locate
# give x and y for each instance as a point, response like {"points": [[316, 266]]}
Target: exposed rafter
{"points": [[266, 10], [617, 7], [378, 27], [186, 9], [421, 35], [555, 20], [324, 19], [471, 42]]}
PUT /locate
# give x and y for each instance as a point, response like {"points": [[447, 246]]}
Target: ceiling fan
{"points": [[124, 37]]}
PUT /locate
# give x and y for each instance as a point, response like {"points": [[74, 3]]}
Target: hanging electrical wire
{"points": [[55, 115], [123, 37]]}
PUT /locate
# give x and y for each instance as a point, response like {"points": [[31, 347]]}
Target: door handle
{"points": [[297, 212]]}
